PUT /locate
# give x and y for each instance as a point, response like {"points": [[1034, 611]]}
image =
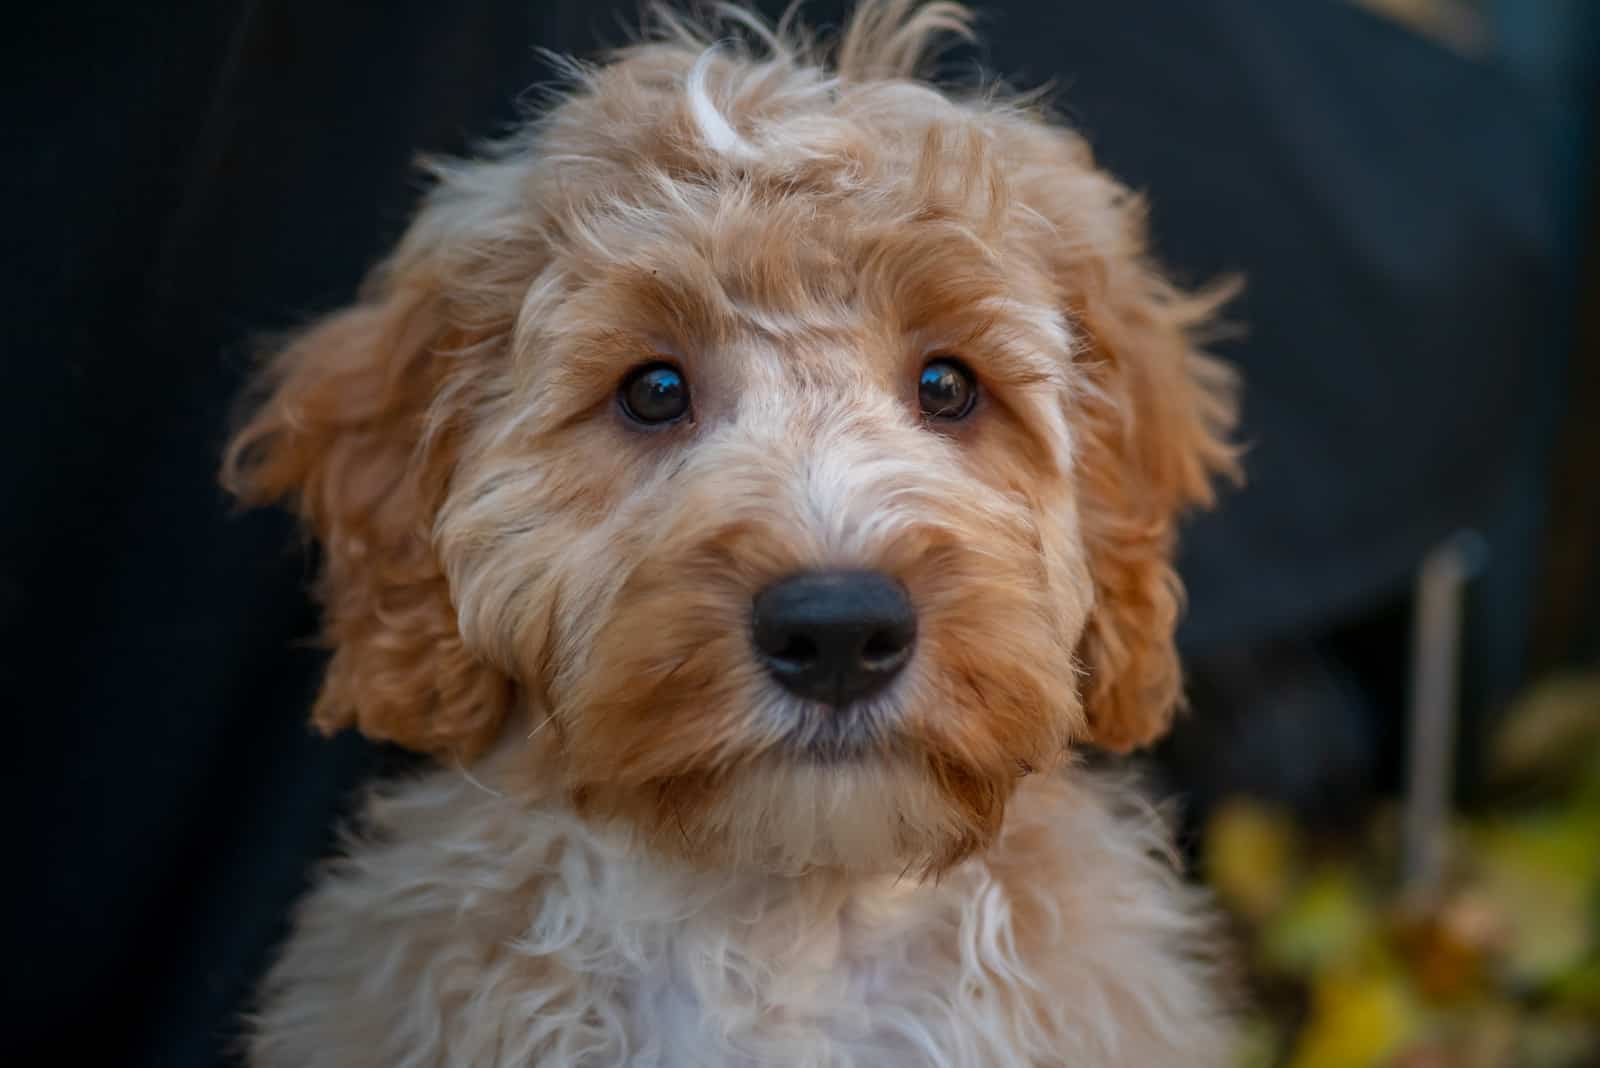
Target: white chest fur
{"points": [[465, 928]]}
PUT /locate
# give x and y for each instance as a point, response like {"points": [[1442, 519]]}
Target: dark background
{"points": [[1414, 224]]}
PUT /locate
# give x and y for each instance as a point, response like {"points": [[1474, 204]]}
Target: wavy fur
{"points": [[664, 870]]}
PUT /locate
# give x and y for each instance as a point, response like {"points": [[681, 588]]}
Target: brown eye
{"points": [[946, 389], [654, 394]]}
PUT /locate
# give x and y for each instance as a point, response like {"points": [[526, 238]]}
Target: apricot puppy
{"points": [[752, 480]]}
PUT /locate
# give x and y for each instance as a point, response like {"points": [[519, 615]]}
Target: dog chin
{"points": [[863, 813]]}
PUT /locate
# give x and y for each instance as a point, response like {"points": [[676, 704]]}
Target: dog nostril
{"points": [[797, 649], [883, 646]]}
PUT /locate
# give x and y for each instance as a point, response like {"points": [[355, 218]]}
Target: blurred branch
{"points": [[1435, 706]]}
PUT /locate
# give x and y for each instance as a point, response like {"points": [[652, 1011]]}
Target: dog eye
{"points": [[655, 393], [946, 389]]}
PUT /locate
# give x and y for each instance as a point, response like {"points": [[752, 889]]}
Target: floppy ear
{"points": [[1153, 435], [356, 434], [1152, 417]]}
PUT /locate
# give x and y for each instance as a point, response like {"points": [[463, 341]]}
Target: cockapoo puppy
{"points": [[752, 480]]}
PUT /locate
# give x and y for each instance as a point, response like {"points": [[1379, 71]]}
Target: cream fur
{"points": [[468, 927]]}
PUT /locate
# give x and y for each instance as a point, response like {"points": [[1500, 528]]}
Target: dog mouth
{"points": [[846, 733]]}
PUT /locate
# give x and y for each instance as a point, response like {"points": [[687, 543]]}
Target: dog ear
{"points": [[1156, 412], [1152, 418], [356, 433]]}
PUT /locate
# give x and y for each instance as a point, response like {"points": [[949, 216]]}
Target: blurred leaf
{"points": [[1448, 949], [1541, 871], [1551, 735], [1500, 969], [1360, 1018], [1328, 921], [1250, 851]]}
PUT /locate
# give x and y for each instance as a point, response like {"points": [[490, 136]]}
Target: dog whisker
{"points": [[467, 775]]}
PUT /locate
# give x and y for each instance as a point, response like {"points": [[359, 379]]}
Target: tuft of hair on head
{"points": [[715, 129], [881, 40], [898, 38]]}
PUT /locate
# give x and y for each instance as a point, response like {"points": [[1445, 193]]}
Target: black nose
{"points": [[835, 636]]}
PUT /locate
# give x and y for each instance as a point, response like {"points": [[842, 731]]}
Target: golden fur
{"points": [[509, 568]]}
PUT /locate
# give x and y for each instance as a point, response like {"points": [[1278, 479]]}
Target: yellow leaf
{"points": [[1249, 857], [1359, 1019]]}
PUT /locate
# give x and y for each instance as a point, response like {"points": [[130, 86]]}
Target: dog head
{"points": [[793, 449]]}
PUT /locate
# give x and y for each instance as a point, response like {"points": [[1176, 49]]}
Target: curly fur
{"points": [[518, 582], [473, 929]]}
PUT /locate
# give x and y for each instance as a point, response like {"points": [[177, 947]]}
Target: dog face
{"points": [[795, 452]]}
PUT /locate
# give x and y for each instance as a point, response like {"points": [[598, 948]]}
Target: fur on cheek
{"points": [[463, 926]]}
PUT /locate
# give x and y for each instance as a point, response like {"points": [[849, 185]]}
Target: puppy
{"points": [[752, 480]]}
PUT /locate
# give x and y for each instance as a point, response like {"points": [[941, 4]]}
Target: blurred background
{"points": [[1391, 768]]}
